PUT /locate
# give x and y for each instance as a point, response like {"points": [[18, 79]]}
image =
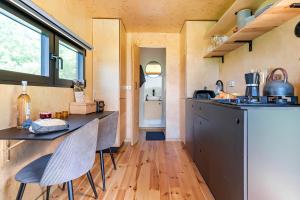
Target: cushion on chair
{"points": [[32, 173]]}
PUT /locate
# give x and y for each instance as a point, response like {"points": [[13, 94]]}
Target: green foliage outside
{"points": [[69, 56], [20, 47]]}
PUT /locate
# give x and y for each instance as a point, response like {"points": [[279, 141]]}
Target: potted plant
{"points": [[79, 91]]}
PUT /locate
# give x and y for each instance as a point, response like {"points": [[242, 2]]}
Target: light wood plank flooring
{"points": [[150, 170]]}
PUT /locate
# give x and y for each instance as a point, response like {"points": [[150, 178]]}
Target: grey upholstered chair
{"points": [[73, 158], [106, 139]]}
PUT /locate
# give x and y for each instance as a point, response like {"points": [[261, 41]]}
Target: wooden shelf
{"points": [[279, 13], [228, 19]]}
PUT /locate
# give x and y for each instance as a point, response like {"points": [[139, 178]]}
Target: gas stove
{"points": [[261, 101]]}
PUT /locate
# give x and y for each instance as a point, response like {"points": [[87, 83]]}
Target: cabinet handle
{"points": [[237, 120], [200, 108]]}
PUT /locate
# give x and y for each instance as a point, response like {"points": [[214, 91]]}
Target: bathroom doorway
{"points": [[152, 112]]}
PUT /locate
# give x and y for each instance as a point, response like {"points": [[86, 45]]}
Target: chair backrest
{"points": [[107, 131], [74, 157]]}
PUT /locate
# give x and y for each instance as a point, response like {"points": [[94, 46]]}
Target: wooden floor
{"points": [[149, 170]]}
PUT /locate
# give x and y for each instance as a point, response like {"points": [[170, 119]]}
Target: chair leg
{"points": [[102, 170], [112, 158], [70, 190], [21, 191], [48, 192], [89, 175]]}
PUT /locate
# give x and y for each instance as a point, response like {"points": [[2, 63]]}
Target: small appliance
{"points": [[204, 94], [219, 87], [278, 88], [99, 106], [252, 84]]}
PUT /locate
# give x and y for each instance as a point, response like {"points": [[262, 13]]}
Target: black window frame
{"points": [[14, 78], [63, 82]]}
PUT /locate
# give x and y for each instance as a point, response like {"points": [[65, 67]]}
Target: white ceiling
{"points": [[158, 15]]}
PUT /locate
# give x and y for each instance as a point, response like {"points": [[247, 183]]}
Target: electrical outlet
{"points": [[231, 83]]}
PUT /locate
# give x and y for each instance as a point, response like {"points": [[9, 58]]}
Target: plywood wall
{"points": [[106, 62], [200, 72], [72, 14], [170, 41], [109, 67], [182, 79], [123, 82], [195, 71], [278, 48]]}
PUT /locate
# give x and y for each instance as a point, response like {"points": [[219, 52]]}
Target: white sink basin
{"points": [[153, 98]]}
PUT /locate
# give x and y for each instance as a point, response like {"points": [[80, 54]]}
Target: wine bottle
{"points": [[23, 106]]}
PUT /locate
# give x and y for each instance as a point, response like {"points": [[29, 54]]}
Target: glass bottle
{"points": [[23, 106]]}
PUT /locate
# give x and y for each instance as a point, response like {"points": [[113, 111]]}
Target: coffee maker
{"points": [[252, 84]]}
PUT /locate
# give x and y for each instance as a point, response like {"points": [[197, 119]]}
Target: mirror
{"points": [[297, 30], [153, 69]]}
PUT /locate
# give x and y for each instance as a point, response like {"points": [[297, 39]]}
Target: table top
{"points": [[75, 122]]}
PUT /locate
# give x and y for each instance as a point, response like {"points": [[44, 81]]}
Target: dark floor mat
{"points": [[155, 135]]}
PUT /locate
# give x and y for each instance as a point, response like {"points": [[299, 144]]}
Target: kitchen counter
{"points": [[244, 106], [243, 152]]}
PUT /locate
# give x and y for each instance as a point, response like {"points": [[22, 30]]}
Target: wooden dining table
{"points": [[74, 121]]}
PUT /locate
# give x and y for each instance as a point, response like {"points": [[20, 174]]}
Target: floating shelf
{"points": [[228, 19], [275, 16]]}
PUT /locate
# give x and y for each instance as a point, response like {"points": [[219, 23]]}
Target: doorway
{"points": [[152, 92]]}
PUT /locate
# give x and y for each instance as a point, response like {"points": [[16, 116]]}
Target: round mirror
{"points": [[153, 69], [297, 30]]}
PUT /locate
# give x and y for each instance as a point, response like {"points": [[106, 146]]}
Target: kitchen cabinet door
{"points": [[189, 137], [201, 150], [226, 177]]}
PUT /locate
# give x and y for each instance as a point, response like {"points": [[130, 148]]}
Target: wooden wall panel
{"points": [[74, 15], [106, 61], [277, 48], [109, 66], [123, 82], [170, 41], [123, 71], [200, 72]]}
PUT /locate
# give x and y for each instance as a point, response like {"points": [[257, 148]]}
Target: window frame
{"points": [[14, 78], [64, 82], [153, 75]]}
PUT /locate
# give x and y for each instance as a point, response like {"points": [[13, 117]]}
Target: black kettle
{"points": [[278, 87]]}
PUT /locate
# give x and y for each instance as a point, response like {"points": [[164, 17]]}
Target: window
{"points": [[30, 51], [153, 69], [71, 62]]}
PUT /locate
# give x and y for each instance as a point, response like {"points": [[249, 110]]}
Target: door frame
{"points": [[135, 82]]}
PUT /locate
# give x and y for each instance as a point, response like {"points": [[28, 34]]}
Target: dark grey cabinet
{"points": [[189, 137], [215, 138], [234, 147]]}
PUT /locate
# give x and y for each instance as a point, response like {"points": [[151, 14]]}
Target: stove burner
{"points": [[283, 100], [262, 100]]}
